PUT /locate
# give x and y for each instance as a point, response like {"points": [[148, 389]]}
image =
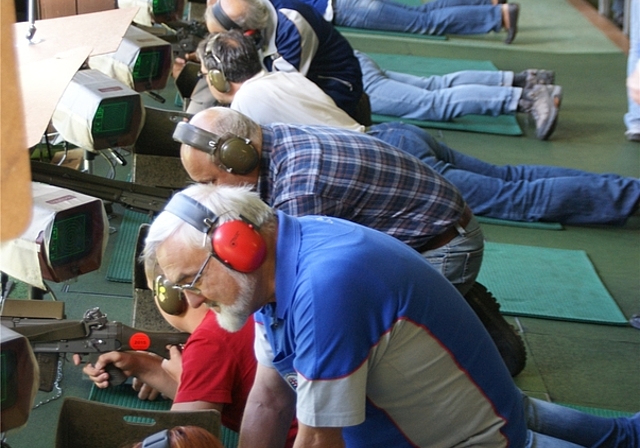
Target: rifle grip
{"points": [[116, 375]]}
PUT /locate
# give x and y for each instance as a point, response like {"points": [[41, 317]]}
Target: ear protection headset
{"points": [[237, 244], [235, 154], [157, 440], [228, 24], [216, 76]]}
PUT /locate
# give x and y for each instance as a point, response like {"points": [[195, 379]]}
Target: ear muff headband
{"points": [[235, 243], [157, 440], [223, 19], [236, 154], [216, 76]]}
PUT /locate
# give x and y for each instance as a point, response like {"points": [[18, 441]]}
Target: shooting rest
{"points": [[87, 424], [156, 159]]}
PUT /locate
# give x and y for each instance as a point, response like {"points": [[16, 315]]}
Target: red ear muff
{"points": [[239, 245]]}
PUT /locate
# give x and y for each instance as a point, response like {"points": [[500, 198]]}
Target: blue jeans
{"points": [[438, 98], [459, 260], [436, 17], [632, 118], [554, 426], [523, 192]]}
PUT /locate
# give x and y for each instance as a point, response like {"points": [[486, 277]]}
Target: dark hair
{"points": [[233, 53], [190, 437]]}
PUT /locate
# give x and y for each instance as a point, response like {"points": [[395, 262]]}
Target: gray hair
{"points": [[227, 202], [256, 15]]}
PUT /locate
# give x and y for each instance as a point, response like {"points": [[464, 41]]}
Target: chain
{"points": [[56, 385]]}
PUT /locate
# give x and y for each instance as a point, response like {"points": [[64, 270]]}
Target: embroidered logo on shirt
{"points": [[292, 379]]}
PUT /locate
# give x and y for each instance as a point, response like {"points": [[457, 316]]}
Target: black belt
{"points": [[449, 234]]}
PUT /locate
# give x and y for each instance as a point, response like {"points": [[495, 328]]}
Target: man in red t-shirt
{"points": [[215, 369]]}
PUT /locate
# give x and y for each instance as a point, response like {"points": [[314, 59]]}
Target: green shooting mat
{"points": [[528, 225], [421, 66], [547, 283], [606, 413], [121, 263]]}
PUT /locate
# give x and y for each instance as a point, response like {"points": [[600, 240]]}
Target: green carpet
{"points": [[420, 66], [124, 395], [548, 283], [121, 264], [528, 225], [607, 413], [386, 34]]}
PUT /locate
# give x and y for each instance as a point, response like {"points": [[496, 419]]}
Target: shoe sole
{"points": [[505, 336], [557, 101], [513, 21]]}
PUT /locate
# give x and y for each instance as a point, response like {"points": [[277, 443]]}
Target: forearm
{"points": [[150, 372], [263, 426]]}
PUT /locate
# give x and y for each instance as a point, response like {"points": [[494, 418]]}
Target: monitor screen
{"points": [[113, 117], [8, 378], [71, 239], [161, 7], [149, 65]]}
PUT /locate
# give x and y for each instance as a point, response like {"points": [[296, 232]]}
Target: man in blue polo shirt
{"points": [[355, 332]]}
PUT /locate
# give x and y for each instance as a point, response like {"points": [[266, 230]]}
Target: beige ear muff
{"points": [[218, 80]]}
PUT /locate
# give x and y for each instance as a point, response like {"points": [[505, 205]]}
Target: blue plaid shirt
{"points": [[314, 170]]}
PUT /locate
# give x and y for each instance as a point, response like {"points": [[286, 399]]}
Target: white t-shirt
{"points": [[279, 97]]}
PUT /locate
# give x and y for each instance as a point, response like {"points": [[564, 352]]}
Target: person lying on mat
{"points": [[214, 370], [355, 333], [434, 18], [527, 193], [480, 92], [292, 36]]}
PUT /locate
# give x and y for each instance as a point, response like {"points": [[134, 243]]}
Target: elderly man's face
{"points": [[228, 293], [203, 170]]}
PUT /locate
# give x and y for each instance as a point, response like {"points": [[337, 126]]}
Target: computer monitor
{"points": [[65, 238], [18, 379], [142, 62], [98, 112]]}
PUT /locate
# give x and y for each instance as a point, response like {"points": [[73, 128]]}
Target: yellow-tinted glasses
{"points": [[170, 296]]}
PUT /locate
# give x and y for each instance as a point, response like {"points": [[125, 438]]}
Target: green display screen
{"points": [[113, 117], [8, 378], [70, 239], [161, 7], [148, 66]]}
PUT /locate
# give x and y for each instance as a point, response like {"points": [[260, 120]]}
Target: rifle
{"points": [[92, 335]]}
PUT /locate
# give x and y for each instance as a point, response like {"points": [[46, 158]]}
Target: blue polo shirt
{"points": [[376, 341]]}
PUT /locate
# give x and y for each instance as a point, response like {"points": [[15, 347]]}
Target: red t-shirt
{"points": [[220, 367]]}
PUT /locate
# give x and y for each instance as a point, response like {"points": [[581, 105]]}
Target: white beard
{"points": [[233, 317]]}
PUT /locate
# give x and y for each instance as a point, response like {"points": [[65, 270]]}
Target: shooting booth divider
{"points": [[87, 424]]}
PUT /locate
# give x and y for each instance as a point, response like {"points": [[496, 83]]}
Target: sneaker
{"points": [[542, 102], [632, 136], [527, 79]]}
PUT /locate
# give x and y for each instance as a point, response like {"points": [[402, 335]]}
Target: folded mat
{"points": [[124, 396], [420, 66], [121, 263], [548, 283]]}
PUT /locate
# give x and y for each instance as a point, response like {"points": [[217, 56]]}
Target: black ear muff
{"points": [[169, 299], [235, 243], [235, 154]]}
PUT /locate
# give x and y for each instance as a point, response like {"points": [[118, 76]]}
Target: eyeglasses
{"points": [[171, 296]]}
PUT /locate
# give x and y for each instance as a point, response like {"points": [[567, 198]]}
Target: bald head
{"points": [[202, 166]]}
